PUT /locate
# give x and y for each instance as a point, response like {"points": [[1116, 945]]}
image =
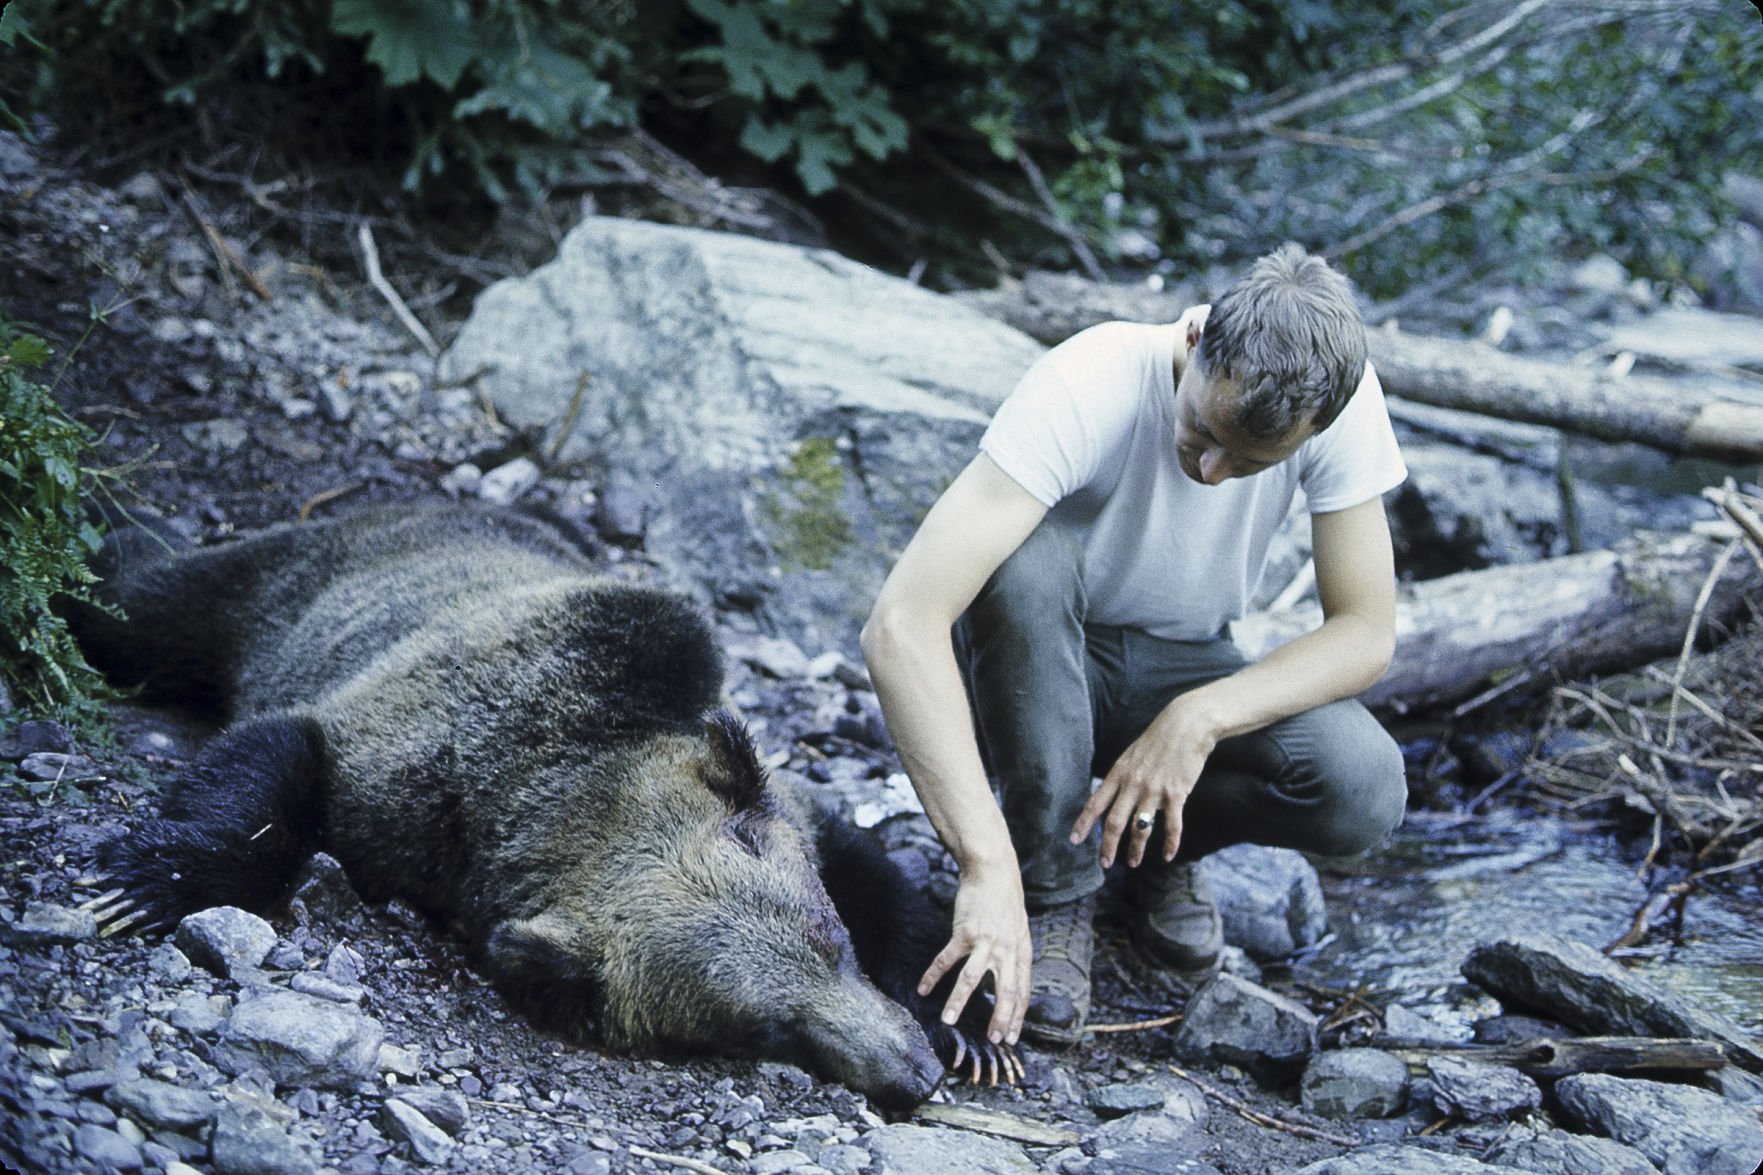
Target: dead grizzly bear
{"points": [[455, 706]]}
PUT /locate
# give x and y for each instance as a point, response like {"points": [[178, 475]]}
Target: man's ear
{"points": [[1193, 335]]}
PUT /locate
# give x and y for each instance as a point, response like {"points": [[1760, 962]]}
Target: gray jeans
{"points": [[1056, 700]]}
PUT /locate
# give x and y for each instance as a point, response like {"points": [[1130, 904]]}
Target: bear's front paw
{"points": [[986, 1063]]}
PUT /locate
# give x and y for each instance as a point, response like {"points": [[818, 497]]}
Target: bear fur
{"points": [[452, 703]]}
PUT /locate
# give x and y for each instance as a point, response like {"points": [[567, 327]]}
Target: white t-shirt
{"points": [[1090, 433]]}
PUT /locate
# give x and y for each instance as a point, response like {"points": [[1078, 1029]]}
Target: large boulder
{"points": [[788, 414]]}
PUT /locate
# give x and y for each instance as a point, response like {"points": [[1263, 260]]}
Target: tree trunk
{"points": [[1552, 1057], [1566, 617]]}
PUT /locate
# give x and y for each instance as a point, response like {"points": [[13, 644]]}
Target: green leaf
{"points": [[411, 39], [28, 351], [768, 142]]}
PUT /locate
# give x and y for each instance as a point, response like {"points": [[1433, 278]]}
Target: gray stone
{"points": [[1555, 1152], [509, 482], [1397, 1159], [161, 1105], [217, 436], [36, 736], [404, 1122], [45, 924], [225, 940], [297, 1040], [1736, 1085], [343, 965], [1405, 1024], [201, 1015], [1149, 1141], [106, 1148], [1233, 1021], [444, 1107], [56, 767], [1355, 1083], [777, 1162], [168, 964], [251, 1139], [312, 984], [1680, 1129], [911, 1150], [1269, 899], [1582, 988], [844, 1159], [1117, 1099], [1476, 1090], [711, 356], [772, 655]]}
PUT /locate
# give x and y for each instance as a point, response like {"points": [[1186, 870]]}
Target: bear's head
{"points": [[695, 921]]}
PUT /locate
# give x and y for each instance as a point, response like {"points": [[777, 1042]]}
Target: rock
{"points": [[106, 1148], [1475, 1090], [343, 965], [298, 1040], [313, 984], [402, 1061], [250, 1138], [507, 483], [404, 1122], [908, 1150], [622, 511], [44, 924], [1116, 1099], [1573, 983], [201, 1015], [225, 940], [36, 736], [1555, 1152], [1232, 1021], [462, 480], [1406, 1024], [1269, 899], [161, 1105], [1736, 1085], [791, 409], [217, 436], [1355, 1083], [1149, 1141], [777, 1162], [168, 964], [1396, 1159], [1680, 1129], [772, 655], [444, 1107], [56, 766], [325, 891]]}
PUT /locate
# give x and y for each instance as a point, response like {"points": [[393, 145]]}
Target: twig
{"points": [[1689, 636], [1136, 1025], [370, 255], [224, 252], [677, 1161], [1079, 247], [567, 425], [1259, 1118], [323, 496]]}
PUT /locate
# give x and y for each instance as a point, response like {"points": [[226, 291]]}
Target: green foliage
{"points": [[45, 539], [1411, 140]]}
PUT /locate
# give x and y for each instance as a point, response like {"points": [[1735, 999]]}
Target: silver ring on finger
{"points": [[1144, 820]]}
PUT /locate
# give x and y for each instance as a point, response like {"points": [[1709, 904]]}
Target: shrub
{"points": [[45, 540]]}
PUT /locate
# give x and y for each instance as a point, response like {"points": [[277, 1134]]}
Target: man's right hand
{"points": [[991, 934]]}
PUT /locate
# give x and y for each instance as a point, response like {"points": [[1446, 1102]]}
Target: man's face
{"points": [[1208, 443]]}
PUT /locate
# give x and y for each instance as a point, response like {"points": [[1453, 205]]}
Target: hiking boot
{"points": [[1059, 1003], [1176, 921]]}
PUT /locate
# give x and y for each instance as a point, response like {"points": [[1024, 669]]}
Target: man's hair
{"points": [[1289, 335]]}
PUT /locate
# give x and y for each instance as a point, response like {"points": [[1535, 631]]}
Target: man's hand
{"points": [[991, 933], [1152, 777]]}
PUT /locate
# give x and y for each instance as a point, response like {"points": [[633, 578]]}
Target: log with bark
{"points": [[1707, 416], [1563, 1056], [1533, 622]]}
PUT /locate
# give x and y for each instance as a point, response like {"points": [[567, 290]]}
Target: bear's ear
{"points": [[542, 966], [737, 775]]}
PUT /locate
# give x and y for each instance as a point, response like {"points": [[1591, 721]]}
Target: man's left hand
{"points": [[1152, 778]]}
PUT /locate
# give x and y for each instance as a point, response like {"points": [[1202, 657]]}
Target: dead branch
{"points": [[1256, 1116], [370, 256]]}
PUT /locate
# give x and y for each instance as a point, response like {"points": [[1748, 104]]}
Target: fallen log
{"points": [[1561, 1057], [1706, 416], [1567, 617], [1685, 418], [1572, 983]]}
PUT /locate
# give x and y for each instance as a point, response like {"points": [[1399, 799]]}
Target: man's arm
{"points": [[977, 523], [1355, 579]]}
